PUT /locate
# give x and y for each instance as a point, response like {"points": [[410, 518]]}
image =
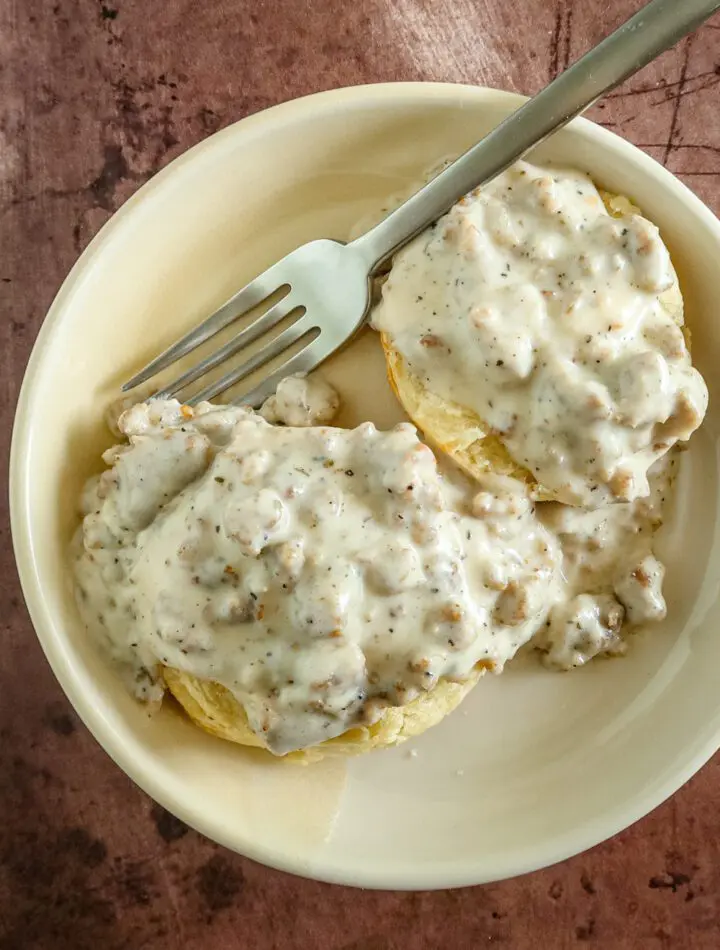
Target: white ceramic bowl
{"points": [[535, 766]]}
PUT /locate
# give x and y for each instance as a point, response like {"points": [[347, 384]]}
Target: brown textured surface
{"points": [[94, 98]]}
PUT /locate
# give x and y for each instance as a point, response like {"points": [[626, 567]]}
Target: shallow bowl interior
{"points": [[535, 766]]}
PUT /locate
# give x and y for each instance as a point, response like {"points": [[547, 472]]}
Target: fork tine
{"points": [[245, 299], [243, 339], [268, 352], [303, 362]]}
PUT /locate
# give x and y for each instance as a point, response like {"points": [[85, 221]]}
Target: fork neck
{"points": [[655, 28]]}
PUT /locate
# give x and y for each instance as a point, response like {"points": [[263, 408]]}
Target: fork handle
{"points": [[655, 28]]}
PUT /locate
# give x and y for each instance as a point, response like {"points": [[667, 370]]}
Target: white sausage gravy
{"points": [[323, 574], [554, 320], [612, 581], [302, 401], [319, 574]]}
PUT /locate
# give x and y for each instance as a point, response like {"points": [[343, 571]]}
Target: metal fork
{"points": [[330, 281]]}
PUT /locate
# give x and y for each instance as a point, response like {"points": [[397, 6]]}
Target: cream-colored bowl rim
{"points": [[132, 756]]}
